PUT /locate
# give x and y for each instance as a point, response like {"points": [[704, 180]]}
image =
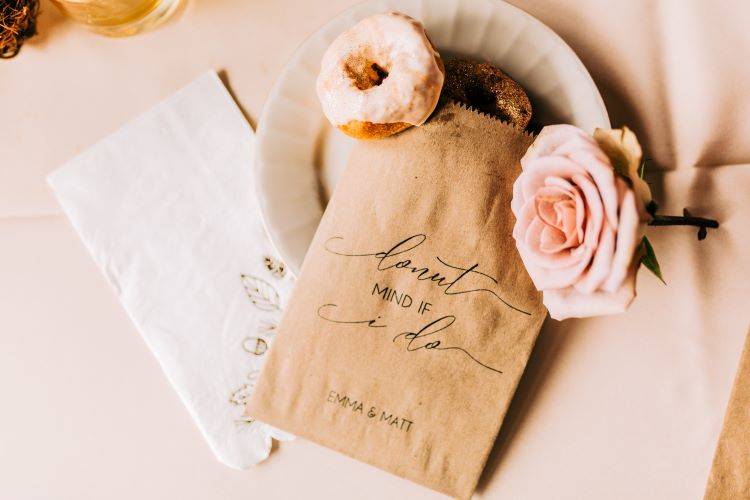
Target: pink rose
{"points": [[578, 224]]}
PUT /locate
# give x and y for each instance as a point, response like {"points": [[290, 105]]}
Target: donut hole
{"points": [[481, 98], [364, 72]]}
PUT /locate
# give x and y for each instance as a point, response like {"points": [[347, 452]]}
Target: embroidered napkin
{"points": [[166, 207]]}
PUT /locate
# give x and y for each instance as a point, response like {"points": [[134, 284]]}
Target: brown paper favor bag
{"points": [[730, 473], [413, 316]]}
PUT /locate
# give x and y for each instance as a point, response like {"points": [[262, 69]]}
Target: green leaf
{"points": [[649, 259], [642, 168]]}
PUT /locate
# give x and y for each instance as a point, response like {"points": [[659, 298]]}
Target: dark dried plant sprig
{"points": [[648, 255], [17, 24]]}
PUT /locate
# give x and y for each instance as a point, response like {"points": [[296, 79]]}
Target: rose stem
{"points": [[677, 220], [685, 220]]}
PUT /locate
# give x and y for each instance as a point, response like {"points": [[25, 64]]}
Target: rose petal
{"points": [[555, 208], [577, 197], [628, 238], [568, 220], [601, 264], [594, 210], [552, 240], [572, 142], [549, 139], [570, 303], [531, 242], [579, 144], [553, 279], [565, 213], [545, 200], [561, 269], [524, 218], [548, 271], [600, 169], [518, 200], [540, 169]]}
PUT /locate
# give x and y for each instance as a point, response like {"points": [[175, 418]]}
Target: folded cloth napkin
{"points": [[166, 207]]}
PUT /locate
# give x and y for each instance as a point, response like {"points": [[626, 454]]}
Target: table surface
{"points": [[623, 407]]}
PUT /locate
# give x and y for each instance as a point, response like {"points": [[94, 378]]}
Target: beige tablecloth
{"points": [[624, 407]]}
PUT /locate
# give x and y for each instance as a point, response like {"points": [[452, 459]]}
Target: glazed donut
{"points": [[487, 89], [380, 77]]}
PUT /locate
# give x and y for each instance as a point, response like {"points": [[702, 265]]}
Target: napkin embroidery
{"points": [[266, 299]]}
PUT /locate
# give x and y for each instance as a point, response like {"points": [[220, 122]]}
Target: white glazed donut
{"points": [[380, 76]]}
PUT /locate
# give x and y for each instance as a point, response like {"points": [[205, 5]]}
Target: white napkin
{"points": [[166, 207]]}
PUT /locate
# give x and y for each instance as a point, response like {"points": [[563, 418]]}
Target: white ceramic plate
{"points": [[299, 155]]}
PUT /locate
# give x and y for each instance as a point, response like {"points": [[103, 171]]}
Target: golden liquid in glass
{"points": [[117, 17]]}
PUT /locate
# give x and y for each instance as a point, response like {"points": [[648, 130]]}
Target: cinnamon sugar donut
{"points": [[380, 77]]}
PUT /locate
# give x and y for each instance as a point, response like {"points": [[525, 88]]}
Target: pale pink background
{"points": [[618, 408]]}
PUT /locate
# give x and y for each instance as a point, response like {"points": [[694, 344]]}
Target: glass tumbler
{"points": [[118, 17]]}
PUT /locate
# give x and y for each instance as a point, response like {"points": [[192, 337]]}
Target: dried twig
{"points": [[17, 24]]}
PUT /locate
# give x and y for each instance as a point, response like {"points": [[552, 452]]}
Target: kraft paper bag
{"points": [[730, 473], [413, 317]]}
